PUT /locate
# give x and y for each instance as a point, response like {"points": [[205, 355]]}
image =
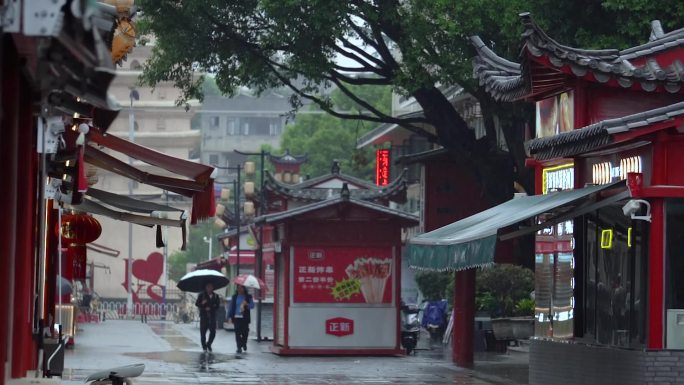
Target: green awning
{"points": [[471, 242]]}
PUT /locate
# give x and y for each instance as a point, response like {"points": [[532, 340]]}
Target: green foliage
{"points": [[501, 287], [433, 284], [324, 138], [197, 250], [525, 307]]}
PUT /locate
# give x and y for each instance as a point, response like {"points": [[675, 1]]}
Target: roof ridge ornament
{"points": [[657, 31]]}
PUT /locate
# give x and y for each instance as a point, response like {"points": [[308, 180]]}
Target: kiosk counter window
{"points": [[613, 255]]}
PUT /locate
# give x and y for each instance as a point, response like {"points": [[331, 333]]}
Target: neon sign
{"points": [[558, 178], [605, 172], [607, 239], [382, 167]]}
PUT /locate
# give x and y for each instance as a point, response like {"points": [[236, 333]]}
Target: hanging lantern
{"points": [[249, 189], [278, 176], [123, 39], [250, 168], [79, 229], [287, 177], [220, 209], [249, 208], [295, 178], [218, 222], [76, 230], [225, 194]]}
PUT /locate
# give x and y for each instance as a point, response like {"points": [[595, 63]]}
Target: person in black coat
{"points": [[239, 314], [207, 302]]}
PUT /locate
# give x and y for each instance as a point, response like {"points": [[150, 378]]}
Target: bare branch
{"points": [[347, 44]]}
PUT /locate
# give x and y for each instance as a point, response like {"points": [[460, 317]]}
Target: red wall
{"points": [[606, 103]]}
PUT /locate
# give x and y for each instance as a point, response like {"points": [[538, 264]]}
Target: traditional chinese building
{"points": [[608, 210], [57, 64]]}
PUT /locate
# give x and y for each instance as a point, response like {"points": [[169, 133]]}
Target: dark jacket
{"points": [[245, 314], [213, 303]]}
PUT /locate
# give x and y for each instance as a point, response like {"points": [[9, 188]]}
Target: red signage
{"points": [[343, 275], [382, 167], [339, 326]]}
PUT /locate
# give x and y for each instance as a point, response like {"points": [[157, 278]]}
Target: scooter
{"points": [[116, 376], [410, 328]]}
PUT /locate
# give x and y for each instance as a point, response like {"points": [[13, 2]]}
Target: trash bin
{"points": [[56, 365]]}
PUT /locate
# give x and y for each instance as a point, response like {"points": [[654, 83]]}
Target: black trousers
{"points": [[207, 322], [241, 332]]}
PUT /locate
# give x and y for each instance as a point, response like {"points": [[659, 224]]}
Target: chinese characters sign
{"points": [[339, 326], [382, 167], [558, 178], [343, 275]]}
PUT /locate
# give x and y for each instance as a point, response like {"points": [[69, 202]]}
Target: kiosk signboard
{"points": [[343, 275]]}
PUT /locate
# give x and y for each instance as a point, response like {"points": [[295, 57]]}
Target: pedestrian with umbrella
{"points": [[240, 305], [205, 282]]}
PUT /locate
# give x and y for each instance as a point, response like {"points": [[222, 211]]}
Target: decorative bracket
{"points": [[10, 16], [43, 17], [49, 134]]}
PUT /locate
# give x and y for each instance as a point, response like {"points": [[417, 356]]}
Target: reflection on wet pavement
{"points": [[172, 355]]}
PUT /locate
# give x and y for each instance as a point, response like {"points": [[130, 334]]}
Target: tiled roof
{"points": [[338, 200], [287, 158], [508, 81], [395, 191], [599, 134], [501, 78]]}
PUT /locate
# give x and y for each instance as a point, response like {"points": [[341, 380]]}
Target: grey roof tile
{"points": [[599, 134]]}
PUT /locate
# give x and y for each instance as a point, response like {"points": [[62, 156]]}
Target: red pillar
{"points": [[656, 277], [23, 348], [8, 193], [464, 319]]}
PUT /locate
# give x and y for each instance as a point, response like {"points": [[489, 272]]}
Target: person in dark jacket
{"points": [[239, 314], [207, 302]]}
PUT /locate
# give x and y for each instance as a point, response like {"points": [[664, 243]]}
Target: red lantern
{"points": [[79, 229], [76, 231]]}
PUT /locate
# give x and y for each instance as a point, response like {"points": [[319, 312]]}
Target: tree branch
{"points": [[364, 54], [409, 123]]}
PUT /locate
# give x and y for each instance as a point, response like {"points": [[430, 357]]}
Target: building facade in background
{"points": [[160, 125]]}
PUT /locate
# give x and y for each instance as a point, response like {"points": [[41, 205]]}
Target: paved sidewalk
{"points": [[172, 354]]}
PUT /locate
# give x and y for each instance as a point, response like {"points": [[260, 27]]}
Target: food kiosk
{"points": [[338, 268]]}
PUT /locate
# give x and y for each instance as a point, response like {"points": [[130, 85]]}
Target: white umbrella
{"points": [[248, 280], [196, 281]]}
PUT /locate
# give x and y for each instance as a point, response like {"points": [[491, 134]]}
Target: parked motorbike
{"points": [[410, 327], [435, 320], [116, 376]]}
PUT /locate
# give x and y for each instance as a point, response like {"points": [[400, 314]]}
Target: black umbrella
{"points": [[197, 280], [64, 284]]}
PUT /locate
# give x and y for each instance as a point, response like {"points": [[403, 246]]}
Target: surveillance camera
{"points": [[631, 208]]}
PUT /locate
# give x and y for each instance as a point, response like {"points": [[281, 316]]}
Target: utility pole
{"points": [[258, 266], [133, 95]]}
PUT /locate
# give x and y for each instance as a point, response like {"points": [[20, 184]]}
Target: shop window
{"points": [[245, 129], [613, 278], [675, 250], [214, 122], [230, 127], [213, 159], [554, 281]]}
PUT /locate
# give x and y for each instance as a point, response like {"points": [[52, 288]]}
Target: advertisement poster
{"points": [[555, 115], [343, 275]]}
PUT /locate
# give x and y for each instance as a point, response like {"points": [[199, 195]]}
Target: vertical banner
{"points": [[382, 167]]}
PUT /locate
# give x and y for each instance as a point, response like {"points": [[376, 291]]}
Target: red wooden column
{"points": [[22, 347], [464, 310], [8, 193], [656, 277]]}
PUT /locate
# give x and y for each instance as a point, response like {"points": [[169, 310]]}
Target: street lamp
{"points": [[208, 240], [260, 252], [236, 202], [133, 95]]}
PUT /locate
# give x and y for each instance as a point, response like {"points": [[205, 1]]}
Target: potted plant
{"points": [[504, 292]]}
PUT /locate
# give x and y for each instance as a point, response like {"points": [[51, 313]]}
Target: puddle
{"points": [[199, 360], [172, 336]]}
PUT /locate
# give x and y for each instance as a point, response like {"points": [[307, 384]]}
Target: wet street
{"points": [[172, 354]]}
